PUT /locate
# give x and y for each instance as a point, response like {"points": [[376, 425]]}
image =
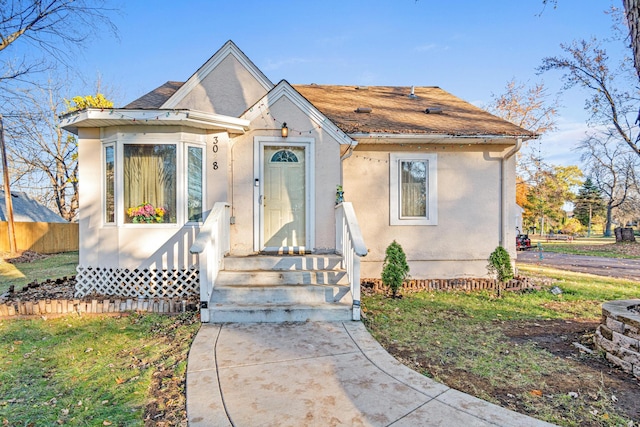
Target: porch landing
{"points": [[269, 288]]}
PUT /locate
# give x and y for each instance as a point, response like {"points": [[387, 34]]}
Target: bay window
{"points": [[149, 182]]}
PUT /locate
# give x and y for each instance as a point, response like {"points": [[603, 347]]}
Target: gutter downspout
{"points": [[504, 211]]}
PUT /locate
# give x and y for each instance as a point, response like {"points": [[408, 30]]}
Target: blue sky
{"points": [[469, 48]]}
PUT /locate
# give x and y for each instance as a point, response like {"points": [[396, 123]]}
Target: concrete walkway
{"points": [[319, 374]]}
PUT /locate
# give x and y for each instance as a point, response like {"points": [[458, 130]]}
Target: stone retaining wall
{"points": [[619, 334]]}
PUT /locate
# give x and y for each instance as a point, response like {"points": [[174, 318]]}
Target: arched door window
{"points": [[284, 156]]}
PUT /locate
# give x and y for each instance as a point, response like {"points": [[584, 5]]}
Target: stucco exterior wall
{"points": [[155, 246], [469, 210], [229, 90], [326, 175]]}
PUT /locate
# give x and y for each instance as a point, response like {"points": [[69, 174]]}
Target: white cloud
{"points": [[560, 147], [281, 63], [431, 47]]}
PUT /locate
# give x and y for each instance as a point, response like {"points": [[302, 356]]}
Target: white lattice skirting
{"points": [[150, 283]]}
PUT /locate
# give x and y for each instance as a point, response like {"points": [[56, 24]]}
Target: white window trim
{"points": [[394, 188], [120, 209]]}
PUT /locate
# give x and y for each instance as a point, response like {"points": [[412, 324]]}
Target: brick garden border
{"points": [[619, 334], [462, 284], [62, 307]]}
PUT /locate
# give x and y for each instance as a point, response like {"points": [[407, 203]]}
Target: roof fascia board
{"points": [[470, 139], [283, 89], [140, 117], [229, 48]]}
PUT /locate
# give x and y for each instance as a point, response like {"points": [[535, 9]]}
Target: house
{"points": [[26, 209], [260, 163]]}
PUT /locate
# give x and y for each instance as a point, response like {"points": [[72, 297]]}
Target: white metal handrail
{"points": [[350, 244], [211, 244]]}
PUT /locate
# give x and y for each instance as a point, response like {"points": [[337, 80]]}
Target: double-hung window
{"points": [[413, 189]]}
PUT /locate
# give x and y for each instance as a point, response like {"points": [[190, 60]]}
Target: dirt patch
{"points": [[26, 256], [588, 375], [63, 288]]}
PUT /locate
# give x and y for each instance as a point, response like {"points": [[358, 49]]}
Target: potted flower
{"points": [[146, 213]]}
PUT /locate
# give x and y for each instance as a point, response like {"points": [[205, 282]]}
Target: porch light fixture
{"points": [[285, 130]]}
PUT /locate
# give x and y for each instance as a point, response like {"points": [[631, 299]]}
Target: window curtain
{"points": [[150, 177], [413, 178]]}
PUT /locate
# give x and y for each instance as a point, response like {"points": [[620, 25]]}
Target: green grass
{"points": [[53, 267], [90, 371], [453, 335]]}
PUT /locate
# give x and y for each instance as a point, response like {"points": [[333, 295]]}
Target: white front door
{"points": [[283, 198]]}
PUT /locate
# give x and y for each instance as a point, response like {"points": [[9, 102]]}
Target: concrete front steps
{"points": [[281, 289]]}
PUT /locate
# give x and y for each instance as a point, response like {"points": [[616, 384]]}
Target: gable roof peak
{"points": [[229, 48]]}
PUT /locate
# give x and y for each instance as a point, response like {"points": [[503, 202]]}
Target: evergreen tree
{"points": [[395, 268], [589, 197]]}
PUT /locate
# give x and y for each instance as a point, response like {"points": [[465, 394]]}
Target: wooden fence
{"points": [[41, 237]]}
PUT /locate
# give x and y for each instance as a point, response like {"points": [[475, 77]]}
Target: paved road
{"points": [[610, 267]]}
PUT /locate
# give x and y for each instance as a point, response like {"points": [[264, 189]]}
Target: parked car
{"points": [[523, 242]]}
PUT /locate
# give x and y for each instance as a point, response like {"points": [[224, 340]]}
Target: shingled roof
{"points": [[383, 109], [156, 97], [394, 111]]}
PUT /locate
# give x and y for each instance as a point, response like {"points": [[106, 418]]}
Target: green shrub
{"points": [[395, 268], [500, 264]]}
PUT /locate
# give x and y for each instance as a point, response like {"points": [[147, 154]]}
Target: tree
{"points": [[588, 203], [613, 109], [530, 108], [547, 194], [32, 31], [612, 170], [632, 13], [395, 268], [48, 154], [527, 107]]}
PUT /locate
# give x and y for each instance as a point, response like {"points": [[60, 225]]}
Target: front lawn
{"points": [[516, 350], [95, 371]]}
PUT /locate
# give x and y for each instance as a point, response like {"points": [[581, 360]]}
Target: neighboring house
{"points": [[418, 165], [26, 209]]}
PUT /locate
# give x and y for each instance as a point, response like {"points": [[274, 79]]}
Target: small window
{"points": [[413, 187], [284, 156], [109, 179], [194, 184]]}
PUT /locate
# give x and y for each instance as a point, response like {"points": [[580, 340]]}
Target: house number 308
{"points": [[215, 149]]}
